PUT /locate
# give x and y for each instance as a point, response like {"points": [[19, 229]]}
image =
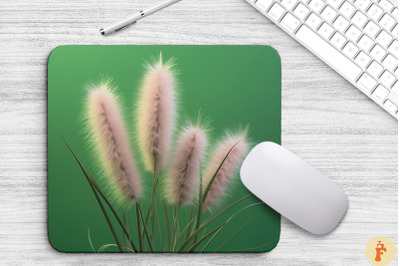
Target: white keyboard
{"points": [[357, 38]]}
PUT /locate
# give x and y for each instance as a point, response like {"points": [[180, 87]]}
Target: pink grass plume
{"points": [[156, 114], [184, 174], [227, 170], [111, 140]]}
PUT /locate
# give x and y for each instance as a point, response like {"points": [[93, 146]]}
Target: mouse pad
{"points": [[145, 145]]}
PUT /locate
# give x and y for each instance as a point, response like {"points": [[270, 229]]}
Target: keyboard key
{"points": [[375, 69], [338, 40], [375, 12], [328, 14], [371, 29], [387, 22], [301, 11], [384, 38], [313, 21], [395, 88], [359, 19], [386, 5], [276, 12], [390, 62], [395, 30], [347, 9], [350, 50], [290, 22], [394, 47], [387, 79], [341, 23], [362, 4], [316, 5], [335, 3], [289, 4], [362, 59], [333, 57], [366, 82], [365, 43], [263, 4], [380, 93], [378, 52], [325, 30], [395, 13], [353, 33], [390, 106]]}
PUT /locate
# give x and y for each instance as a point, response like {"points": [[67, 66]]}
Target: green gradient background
{"points": [[232, 86]]}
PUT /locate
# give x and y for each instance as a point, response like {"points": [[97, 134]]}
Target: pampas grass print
{"points": [[234, 144], [109, 134], [186, 182], [184, 174], [156, 114]]}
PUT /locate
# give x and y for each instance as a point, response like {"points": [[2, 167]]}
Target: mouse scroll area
{"points": [[293, 188]]}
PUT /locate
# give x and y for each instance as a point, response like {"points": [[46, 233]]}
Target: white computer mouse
{"points": [[293, 188]]}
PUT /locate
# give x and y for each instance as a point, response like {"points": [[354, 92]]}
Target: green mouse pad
{"points": [[145, 144]]}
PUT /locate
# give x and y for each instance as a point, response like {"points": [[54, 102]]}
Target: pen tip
{"points": [[102, 32]]}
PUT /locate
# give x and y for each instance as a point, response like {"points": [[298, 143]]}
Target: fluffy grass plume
{"points": [[156, 114], [228, 168], [108, 132], [184, 173]]}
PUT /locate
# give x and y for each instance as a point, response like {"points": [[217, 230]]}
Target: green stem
{"points": [[167, 222], [210, 220], [152, 206], [145, 229], [219, 228], [193, 248], [200, 207], [125, 224], [185, 230], [175, 231], [115, 214], [159, 230], [114, 233], [139, 228], [189, 223]]}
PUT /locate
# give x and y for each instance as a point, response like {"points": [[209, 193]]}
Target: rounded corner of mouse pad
{"points": [[229, 91]]}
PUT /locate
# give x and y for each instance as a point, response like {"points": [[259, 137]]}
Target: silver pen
{"points": [[132, 19]]}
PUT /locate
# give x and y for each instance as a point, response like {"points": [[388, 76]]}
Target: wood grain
{"points": [[325, 120]]}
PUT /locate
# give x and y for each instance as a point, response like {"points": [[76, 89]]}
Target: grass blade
{"points": [[216, 173], [139, 228], [104, 247], [95, 189], [186, 229], [90, 240], [203, 197], [209, 221], [167, 223], [145, 229], [189, 221], [227, 221], [205, 237], [175, 230], [232, 236], [159, 230]]}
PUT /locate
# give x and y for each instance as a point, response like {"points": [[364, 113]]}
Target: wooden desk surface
{"points": [[325, 120]]}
